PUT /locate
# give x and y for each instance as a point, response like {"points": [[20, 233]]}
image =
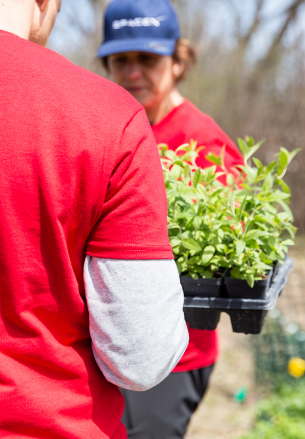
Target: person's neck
{"points": [[173, 100], [16, 17]]}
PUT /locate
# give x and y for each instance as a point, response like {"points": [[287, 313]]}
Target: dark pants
{"points": [[164, 411]]}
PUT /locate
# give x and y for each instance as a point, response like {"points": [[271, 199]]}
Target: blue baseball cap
{"points": [[140, 26]]}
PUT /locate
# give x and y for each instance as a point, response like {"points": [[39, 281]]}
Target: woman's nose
{"points": [[133, 71]]}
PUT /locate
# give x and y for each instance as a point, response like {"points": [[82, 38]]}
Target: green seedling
{"points": [[241, 228]]}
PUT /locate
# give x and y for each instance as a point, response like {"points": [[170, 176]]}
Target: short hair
{"points": [[184, 54]]}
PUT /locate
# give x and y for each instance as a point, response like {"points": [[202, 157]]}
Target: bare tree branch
{"points": [[291, 14], [256, 22]]}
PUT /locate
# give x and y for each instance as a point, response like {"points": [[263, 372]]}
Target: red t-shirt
{"points": [[79, 173], [182, 124]]}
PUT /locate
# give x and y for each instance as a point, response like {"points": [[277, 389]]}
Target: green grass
{"points": [[281, 416]]}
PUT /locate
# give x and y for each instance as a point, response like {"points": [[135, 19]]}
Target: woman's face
{"points": [[149, 78]]}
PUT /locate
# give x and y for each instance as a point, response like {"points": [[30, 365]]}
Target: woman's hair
{"points": [[184, 54]]}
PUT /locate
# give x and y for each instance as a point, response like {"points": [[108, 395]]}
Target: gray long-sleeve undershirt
{"points": [[137, 323]]}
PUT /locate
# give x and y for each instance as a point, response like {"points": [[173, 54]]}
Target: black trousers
{"points": [[164, 411]]}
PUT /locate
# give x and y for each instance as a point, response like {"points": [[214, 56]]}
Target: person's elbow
{"points": [[156, 371], [146, 365]]}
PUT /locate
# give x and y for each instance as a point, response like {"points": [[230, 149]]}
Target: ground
{"points": [[219, 416]]}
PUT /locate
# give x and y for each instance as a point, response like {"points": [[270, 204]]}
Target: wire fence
{"points": [[283, 336]]}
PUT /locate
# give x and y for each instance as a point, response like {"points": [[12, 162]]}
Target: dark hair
{"points": [[184, 54], [105, 63]]}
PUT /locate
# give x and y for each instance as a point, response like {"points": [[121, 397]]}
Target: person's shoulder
{"points": [[197, 116], [204, 129], [202, 124], [61, 76]]}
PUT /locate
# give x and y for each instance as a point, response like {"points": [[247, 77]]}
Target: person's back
{"points": [[52, 180], [71, 185]]}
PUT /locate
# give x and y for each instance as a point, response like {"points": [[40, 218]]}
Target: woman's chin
{"points": [[141, 96]]}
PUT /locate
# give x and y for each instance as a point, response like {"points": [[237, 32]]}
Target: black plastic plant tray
{"points": [[239, 289], [247, 315], [194, 288]]}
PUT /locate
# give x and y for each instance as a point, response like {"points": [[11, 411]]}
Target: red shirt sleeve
{"points": [[133, 223]]}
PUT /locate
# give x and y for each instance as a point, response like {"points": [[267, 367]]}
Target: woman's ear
{"points": [[177, 70]]}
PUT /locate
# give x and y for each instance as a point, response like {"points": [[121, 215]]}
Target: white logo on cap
{"points": [[155, 45], [138, 22]]}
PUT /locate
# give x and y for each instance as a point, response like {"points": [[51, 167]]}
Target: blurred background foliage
{"points": [[250, 75]]}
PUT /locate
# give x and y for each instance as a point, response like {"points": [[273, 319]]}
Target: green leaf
{"points": [[254, 234], [207, 274], [235, 273], [207, 254], [216, 193], [193, 275], [240, 247], [176, 172], [268, 183], [230, 180], [258, 163], [233, 203], [285, 186], [181, 266], [261, 266], [179, 163], [250, 279], [172, 226], [276, 196], [270, 167], [170, 154], [283, 162], [175, 242], [219, 174], [284, 216], [196, 177], [288, 242], [222, 248], [265, 259], [197, 222], [293, 153], [183, 147], [193, 261], [242, 208], [250, 141], [191, 245], [213, 158], [243, 146], [253, 149], [286, 208]]}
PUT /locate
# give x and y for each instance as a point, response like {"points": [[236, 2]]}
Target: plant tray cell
{"points": [[239, 288], [201, 287], [247, 315]]}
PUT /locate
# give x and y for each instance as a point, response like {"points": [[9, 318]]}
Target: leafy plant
{"points": [[282, 415], [238, 228]]}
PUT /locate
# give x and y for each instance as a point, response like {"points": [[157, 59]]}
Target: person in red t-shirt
{"points": [[143, 52], [87, 272]]}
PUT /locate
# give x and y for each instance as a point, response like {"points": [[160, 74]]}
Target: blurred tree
{"points": [[290, 14], [260, 94]]}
